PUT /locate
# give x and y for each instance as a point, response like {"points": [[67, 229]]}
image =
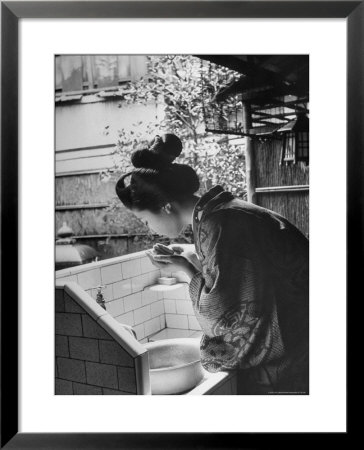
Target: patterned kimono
{"points": [[251, 298]]}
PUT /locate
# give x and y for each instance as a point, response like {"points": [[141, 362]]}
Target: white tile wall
{"points": [[91, 292], [152, 326], [126, 300], [157, 308], [138, 283], [141, 315], [162, 320], [196, 334], [171, 333], [132, 302], [149, 297], [170, 306], [127, 319], [110, 274], [153, 276], [176, 321], [121, 289], [89, 279], [139, 330], [67, 279], [179, 293], [131, 268], [184, 307], [116, 307], [146, 265], [107, 293]]}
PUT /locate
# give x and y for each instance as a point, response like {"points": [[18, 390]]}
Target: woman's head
{"points": [[158, 187]]}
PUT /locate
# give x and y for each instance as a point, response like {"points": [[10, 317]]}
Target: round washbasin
{"points": [[175, 365]]}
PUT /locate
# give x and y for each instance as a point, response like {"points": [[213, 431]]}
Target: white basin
{"points": [[175, 365]]}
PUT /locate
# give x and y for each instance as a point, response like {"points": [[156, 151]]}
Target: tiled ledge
{"points": [[103, 318], [109, 262], [212, 383], [98, 264], [164, 287]]}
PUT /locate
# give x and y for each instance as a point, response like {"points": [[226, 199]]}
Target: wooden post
{"points": [[249, 154]]}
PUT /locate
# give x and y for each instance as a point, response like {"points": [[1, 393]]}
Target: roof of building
{"points": [[275, 86]]}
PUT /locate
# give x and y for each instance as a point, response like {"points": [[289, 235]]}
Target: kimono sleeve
{"points": [[228, 294]]}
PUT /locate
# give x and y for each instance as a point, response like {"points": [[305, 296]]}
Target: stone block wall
{"points": [[91, 349]]}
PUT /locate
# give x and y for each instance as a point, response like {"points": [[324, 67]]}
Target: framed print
{"points": [[75, 81]]}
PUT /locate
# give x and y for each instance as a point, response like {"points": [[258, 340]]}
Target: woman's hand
{"points": [[190, 255], [161, 249], [172, 263]]}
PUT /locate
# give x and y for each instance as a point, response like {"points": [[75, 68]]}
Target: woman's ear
{"points": [[167, 208]]}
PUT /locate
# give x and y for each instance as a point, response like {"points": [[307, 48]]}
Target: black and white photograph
{"points": [[181, 201], [181, 224]]}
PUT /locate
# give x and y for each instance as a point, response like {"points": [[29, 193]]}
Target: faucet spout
{"points": [[100, 297]]}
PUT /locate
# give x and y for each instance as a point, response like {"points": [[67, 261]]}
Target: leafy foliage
{"points": [[183, 86]]}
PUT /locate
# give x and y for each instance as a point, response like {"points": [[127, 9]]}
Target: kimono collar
{"points": [[210, 199]]}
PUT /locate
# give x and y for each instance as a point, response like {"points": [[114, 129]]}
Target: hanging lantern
{"points": [[295, 140]]}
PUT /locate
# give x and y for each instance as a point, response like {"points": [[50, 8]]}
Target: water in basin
{"points": [[175, 365]]}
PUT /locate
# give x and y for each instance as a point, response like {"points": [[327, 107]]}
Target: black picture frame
{"points": [[11, 13]]}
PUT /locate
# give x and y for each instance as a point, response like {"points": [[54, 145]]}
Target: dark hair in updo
{"points": [[156, 180]]}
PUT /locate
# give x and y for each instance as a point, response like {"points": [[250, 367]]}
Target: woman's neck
{"points": [[186, 209]]}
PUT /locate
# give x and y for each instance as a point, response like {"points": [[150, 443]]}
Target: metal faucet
{"points": [[99, 297], [100, 300]]}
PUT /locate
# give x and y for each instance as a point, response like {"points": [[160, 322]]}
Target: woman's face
{"points": [[166, 222]]}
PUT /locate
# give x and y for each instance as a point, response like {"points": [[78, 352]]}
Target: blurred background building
{"points": [[89, 114]]}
